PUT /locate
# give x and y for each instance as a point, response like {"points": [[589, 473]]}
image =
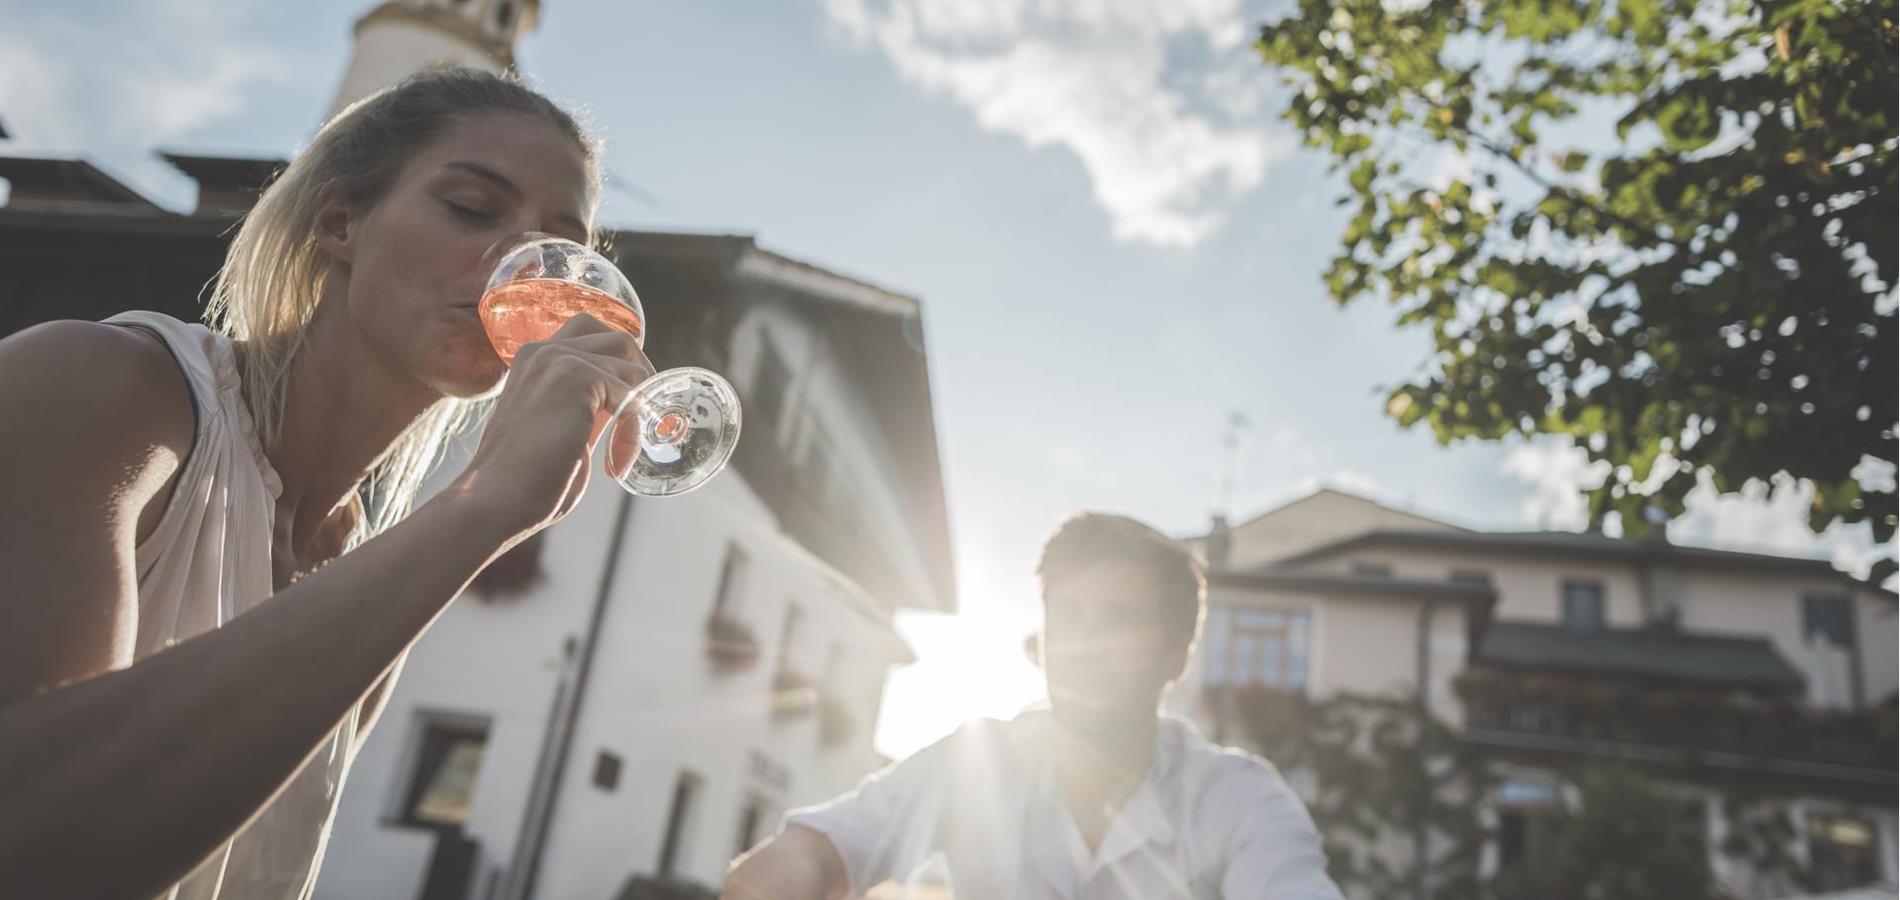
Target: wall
{"points": [[1313, 521], [653, 699], [1747, 603], [822, 399], [389, 51], [1529, 589], [1365, 644], [661, 706], [1769, 605]]}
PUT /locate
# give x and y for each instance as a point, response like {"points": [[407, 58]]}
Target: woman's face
{"points": [[414, 259]]}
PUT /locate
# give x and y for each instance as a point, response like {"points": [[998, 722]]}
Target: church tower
{"points": [[401, 37]]}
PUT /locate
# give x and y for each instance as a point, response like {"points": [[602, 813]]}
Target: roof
{"points": [[1322, 492], [875, 333], [1328, 583], [1745, 662], [695, 285], [1575, 545], [225, 171], [226, 184], [41, 180]]}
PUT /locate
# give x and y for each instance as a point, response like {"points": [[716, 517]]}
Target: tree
{"points": [[1626, 840], [1670, 231], [1397, 796], [1382, 774]]}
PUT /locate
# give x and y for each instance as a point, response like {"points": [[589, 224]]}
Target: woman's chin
{"points": [[470, 379], [466, 370]]}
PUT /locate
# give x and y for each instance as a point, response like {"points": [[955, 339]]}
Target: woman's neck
{"points": [[344, 406]]}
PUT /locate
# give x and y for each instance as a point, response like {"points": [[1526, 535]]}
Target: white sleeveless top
{"points": [[209, 561]]}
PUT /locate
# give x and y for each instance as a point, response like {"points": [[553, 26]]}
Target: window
{"points": [[731, 582], [1842, 851], [769, 384], [753, 817], [607, 770], [788, 634], [1368, 569], [443, 786], [1828, 619], [678, 819], [1257, 647], [833, 658], [1583, 605], [1529, 817], [820, 472]]}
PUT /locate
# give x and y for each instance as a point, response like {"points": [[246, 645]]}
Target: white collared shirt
{"points": [[978, 809]]}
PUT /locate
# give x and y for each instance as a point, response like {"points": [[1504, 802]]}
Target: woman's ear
{"points": [[336, 224]]}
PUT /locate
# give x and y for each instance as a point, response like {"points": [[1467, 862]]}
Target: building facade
{"points": [[1710, 671], [671, 674]]}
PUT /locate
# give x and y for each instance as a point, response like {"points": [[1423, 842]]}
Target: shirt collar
{"points": [[1145, 820]]}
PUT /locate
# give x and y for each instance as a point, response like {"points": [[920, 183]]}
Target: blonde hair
{"points": [[274, 273]]}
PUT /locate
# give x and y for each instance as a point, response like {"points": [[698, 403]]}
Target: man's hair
{"points": [[1093, 538]]}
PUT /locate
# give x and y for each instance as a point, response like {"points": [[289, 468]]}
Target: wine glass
{"points": [[679, 426]]}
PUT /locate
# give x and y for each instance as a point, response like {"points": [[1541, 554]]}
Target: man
{"points": [[1098, 797]]}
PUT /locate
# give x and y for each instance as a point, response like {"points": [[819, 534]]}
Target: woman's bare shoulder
{"points": [[105, 392]]}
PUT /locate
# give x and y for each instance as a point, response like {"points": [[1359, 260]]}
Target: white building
{"points": [[740, 634], [643, 689], [400, 37], [1782, 671]]}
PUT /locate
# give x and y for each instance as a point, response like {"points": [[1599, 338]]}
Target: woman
{"points": [[160, 479]]}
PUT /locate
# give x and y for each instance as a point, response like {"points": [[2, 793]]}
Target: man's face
{"points": [[1108, 646]]}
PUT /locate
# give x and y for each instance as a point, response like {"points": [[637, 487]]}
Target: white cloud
{"points": [[1554, 470], [1752, 520], [1165, 156], [114, 88], [30, 92], [176, 104]]}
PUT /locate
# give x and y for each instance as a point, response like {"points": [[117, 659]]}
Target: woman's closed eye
{"points": [[470, 213]]}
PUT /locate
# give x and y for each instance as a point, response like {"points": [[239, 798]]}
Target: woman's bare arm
{"points": [[118, 783]]}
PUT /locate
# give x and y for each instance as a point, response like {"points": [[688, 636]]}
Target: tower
{"points": [[401, 37]]}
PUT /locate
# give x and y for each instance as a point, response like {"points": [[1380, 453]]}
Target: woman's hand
{"points": [[532, 465]]}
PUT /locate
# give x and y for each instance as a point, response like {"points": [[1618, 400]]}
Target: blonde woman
{"points": [[209, 565]]}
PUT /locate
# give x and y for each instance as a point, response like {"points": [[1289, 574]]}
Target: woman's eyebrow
{"points": [[486, 173], [502, 181]]}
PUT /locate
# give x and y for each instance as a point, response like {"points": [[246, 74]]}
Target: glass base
{"points": [[679, 427]]}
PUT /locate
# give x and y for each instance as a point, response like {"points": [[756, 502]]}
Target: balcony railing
{"points": [[1699, 727]]}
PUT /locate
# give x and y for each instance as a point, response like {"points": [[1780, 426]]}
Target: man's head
{"points": [[1121, 605]]}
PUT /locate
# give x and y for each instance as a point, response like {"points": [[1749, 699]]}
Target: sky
{"points": [[1116, 241]]}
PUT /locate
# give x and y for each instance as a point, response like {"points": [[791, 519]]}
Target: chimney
{"points": [[227, 185], [1219, 543], [402, 37]]}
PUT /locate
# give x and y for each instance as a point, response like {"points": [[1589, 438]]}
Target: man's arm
{"points": [[877, 831], [797, 864], [1273, 849]]}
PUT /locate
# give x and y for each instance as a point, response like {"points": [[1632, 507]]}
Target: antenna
{"points": [[1236, 423]]}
